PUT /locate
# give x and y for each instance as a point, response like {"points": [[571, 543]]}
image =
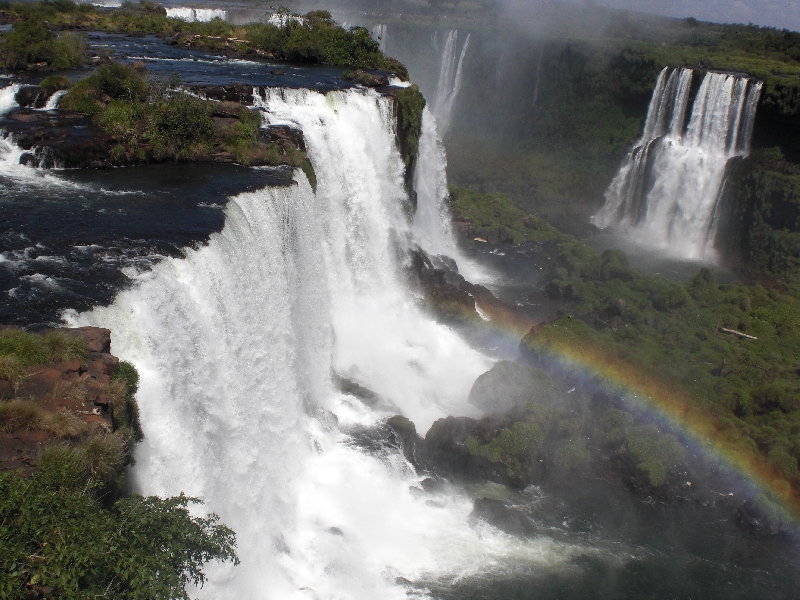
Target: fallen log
{"points": [[739, 333]]}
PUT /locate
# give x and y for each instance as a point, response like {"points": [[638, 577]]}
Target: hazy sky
{"points": [[775, 13]]}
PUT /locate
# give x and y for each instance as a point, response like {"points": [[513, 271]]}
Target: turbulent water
{"points": [[450, 75], [237, 345], [667, 192]]}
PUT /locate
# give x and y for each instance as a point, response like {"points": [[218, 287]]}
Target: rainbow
{"points": [[658, 400]]}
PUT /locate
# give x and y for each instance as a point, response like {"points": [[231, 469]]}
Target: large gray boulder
{"points": [[508, 385]]}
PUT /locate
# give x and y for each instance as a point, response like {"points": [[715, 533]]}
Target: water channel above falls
{"points": [[237, 293]]}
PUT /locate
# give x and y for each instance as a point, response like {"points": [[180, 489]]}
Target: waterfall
{"points": [[432, 224], [237, 345], [379, 33], [449, 83], [8, 98], [203, 15], [52, 101], [667, 191]]}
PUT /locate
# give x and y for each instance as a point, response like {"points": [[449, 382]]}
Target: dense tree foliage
{"points": [[675, 332], [58, 539]]}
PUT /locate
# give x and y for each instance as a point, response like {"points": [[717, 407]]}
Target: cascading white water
{"points": [[449, 83], [52, 101], [10, 153], [380, 33], [432, 222], [236, 345], [8, 98], [667, 191], [203, 15]]}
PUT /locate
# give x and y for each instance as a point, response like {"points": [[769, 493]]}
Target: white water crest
{"points": [[52, 101], [8, 100], [449, 83], [237, 345], [203, 15], [666, 194]]}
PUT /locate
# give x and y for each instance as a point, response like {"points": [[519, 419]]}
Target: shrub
{"points": [[53, 83], [66, 542], [30, 42], [64, 347], [12, 370], [102, 456], [17, 415], [65, 425], [27, 348], [127, 373], [181, 127]]}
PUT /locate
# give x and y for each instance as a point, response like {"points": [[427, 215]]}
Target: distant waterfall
{"points": [[667, 191], [203, 15], [379, 33], [449, 83]]}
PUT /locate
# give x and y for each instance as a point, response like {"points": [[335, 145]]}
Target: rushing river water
{"points": [[241, 296]]}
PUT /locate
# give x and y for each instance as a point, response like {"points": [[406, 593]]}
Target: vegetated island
{"points": [[68, 528], [136, 118]]}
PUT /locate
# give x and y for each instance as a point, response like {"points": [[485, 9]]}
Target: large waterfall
{"points": [[449, 83], [667, 192], [239, 346]]}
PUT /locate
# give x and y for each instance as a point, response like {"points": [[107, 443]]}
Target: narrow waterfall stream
{"points": [[450, 75], [667, 191]]}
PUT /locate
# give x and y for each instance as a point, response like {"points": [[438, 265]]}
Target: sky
{"points": [[784, 14]]}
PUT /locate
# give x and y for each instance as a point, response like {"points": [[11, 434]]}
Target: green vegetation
{"points": [[686, 334], [494, 217], [148, 120], [762, 217], [31, 45], [58, 537], [32, 349], [67, 529], [311, 38], [747, 389], [533, 437], [410, 104], [640, 449], [53, 83]]}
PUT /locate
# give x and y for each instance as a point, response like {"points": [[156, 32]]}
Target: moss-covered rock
{"points": [[410, 104]]}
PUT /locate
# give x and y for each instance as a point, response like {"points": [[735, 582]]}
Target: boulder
{"points": [[97, 339], [508, 385]]}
